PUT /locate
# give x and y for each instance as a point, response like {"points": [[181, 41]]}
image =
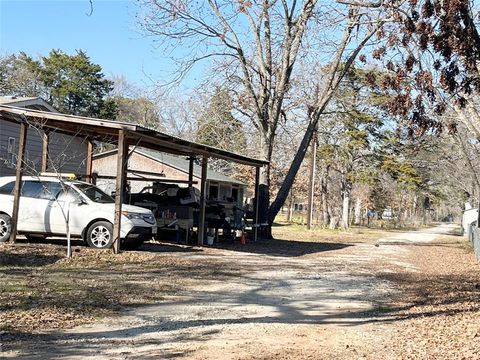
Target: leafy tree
{"points": [[70, 83], [431, 50], [75, 85], [19, 76], [351, 135], [218, 127], [139, 110]]}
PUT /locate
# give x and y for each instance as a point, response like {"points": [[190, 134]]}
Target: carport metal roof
{"points": [[107, 131]]}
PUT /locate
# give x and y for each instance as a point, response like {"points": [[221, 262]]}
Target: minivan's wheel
{"points": [[100, 235], [5, 227]]}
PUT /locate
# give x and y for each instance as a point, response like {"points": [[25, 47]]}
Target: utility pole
{"points": [[312, 180]]}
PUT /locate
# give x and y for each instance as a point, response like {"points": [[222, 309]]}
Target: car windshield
{"points": [[94, 193]]}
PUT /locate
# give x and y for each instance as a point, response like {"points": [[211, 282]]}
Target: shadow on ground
{"points": [[26, 260], [284, 248]]}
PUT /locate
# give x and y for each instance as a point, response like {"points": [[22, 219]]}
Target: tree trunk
{"points": [[266, 146], [413, 218], [333, 222], [324, 197], [292, 172], [346, 189], [311, 193], [290, 207], [358, 211]]}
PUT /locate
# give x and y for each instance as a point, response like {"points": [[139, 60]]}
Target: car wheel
{"points": [[5, 227], [100, 235]]}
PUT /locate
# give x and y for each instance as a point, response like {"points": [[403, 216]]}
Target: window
{"points": [[7, 189], [53, 189], [225, 192], [235, 194], [68, 195], [11, 145], [94, 193], [46, 190], [213, 192], [32, 189]]}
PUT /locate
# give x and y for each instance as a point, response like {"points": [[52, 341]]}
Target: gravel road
{"points": [[314, 306]]}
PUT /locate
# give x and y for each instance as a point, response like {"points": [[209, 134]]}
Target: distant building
{"points": [[219, 186], [470, 216], [66, 153]]}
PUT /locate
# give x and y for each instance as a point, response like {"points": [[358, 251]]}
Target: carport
{"points": [[123, 135]]}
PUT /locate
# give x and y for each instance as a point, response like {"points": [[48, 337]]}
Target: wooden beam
{"points": [[157, 141], [256, 204], [89, 164], [190, 169], [119, 188], [18, 180], [72, 119], [312, 181], [147, 173], [46, 138], [203, 201], [159, 179]]}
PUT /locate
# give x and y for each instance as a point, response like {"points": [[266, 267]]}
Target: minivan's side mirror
{"points": [[81, 202]]}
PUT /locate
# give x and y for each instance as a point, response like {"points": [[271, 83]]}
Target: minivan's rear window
{"points": [[7, 189], [46, 190]]}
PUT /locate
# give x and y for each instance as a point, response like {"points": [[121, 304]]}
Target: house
{"points": [[470, 216], [66, 153], [219, 186]]}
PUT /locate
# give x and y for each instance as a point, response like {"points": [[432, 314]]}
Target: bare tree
{"points": [[359, 28], [260, 42]]}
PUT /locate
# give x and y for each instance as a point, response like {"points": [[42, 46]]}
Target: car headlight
{"points": [[148, 218], [132, 215]]}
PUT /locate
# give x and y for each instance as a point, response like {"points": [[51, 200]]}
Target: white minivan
{"points": [[47, 202]]}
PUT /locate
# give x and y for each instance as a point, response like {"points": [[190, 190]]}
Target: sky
{"points": [[110, 35]]}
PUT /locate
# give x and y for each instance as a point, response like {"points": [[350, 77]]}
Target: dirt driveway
{"points": [[317, 306]]}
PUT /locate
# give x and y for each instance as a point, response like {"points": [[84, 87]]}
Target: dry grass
{"points": [[437, 315], [41, 289]]}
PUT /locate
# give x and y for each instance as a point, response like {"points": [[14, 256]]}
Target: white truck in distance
{"points": [[46, 203]]}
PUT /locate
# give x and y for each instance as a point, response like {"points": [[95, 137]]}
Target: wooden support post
{"points": [[18, 180], [312, 181], [256, 205], [190, 170], [203, 200], [89, 164], [119, 188], [46, 138]]}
